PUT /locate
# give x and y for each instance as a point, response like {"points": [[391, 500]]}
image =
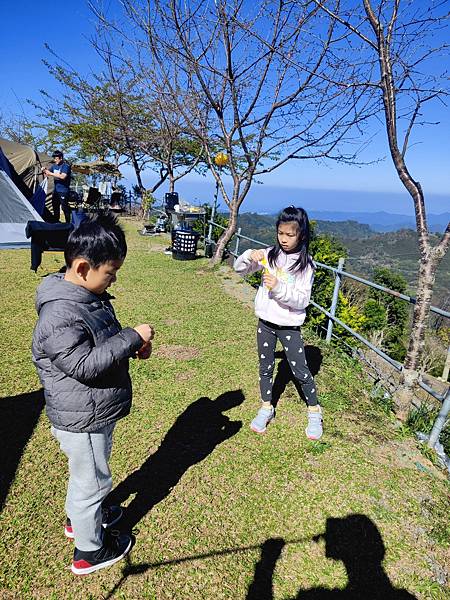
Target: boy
{"points": [[81, 354]]}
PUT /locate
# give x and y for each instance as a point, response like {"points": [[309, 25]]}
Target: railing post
{"points": [[446, 370], [440, 421], [238, 237], [213, 214], [337, 285]]}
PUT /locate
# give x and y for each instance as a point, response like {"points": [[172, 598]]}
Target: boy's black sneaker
{"points": [[110, 516], [114, 548]]}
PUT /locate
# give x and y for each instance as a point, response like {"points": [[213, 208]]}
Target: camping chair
{"points": [[93, 198], [46, 236], [116, 202]]}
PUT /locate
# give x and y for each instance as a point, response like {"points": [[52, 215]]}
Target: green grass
{"points": [[221, 513]]}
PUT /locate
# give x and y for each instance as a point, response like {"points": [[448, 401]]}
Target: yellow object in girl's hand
{"points": [[266, 271]]}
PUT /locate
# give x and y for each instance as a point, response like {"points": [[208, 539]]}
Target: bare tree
{"points": [[159, 132], [256, 80], [171, 146], [403, 39], [108, 114], [94, 114]]}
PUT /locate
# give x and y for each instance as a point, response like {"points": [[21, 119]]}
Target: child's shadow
{"points": [[18, 418], [193, 436], [283, 376]]}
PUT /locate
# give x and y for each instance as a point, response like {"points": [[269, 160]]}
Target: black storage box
{"points": [[184, 244], [170, 200]]}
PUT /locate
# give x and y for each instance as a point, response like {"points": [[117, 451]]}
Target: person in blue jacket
{"points": [[61, 173]]}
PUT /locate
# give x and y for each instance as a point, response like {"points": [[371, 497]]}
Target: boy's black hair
{"points": [[100, 239], [297, 215]]}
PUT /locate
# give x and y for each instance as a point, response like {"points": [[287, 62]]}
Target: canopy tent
{"points": [[96, 167], [15, 212], [25, 165]]}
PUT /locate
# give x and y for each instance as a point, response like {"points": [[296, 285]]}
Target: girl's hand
{"points": [[270, 281], [257, 255]]}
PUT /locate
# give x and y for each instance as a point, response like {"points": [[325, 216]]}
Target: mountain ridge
{"points": [[381, 221]]}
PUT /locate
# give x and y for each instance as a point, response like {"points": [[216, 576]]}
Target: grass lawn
{"points": [[218, 512]]}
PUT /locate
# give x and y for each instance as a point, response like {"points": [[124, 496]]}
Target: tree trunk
{"points": [[137, 172], [410, 374], [427, 276], [225, 237]]}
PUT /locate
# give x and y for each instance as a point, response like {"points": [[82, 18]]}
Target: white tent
{"points": [[15, 211]]}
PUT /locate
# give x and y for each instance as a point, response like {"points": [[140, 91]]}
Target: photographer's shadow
{"points": [[283, 376], [356, 541], [194, 435]]}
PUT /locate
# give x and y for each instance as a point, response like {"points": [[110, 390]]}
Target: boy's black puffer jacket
{"points": [[81, 354]]}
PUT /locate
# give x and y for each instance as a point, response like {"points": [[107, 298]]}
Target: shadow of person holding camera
{"points": [[356, 541]]}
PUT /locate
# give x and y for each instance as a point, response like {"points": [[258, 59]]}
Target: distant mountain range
{"points": [[367, 249], [383, 221]]}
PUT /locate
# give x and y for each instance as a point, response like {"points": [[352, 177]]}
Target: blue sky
{"points": [[66, 26]]}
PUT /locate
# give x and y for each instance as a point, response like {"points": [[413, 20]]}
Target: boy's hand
{"points": [[144, 351], [257, 255], [146, 332], [270, 281]]}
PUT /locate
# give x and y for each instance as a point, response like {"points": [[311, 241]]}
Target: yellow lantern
{"points": [[221, 159]]}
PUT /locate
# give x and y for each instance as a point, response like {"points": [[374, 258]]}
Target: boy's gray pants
{"points": [[90, 482]]}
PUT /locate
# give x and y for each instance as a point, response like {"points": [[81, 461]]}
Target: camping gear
{"points": [[46, 236], [97, 167], [25, 165], [170, 201], [15, 212], [93, 198], [184, 244]]}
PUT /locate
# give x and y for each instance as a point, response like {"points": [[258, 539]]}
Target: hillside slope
{"points": [[218, 512]]}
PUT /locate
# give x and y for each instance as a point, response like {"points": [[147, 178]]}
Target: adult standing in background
{"points": [[61, 172]]}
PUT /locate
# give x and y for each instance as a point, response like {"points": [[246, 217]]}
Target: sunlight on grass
{"points": [[218, 512]]}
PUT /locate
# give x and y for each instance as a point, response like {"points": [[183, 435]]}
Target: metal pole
{"points": [[337, 285], [446, 370], [236, 249], [440, 421], [213, 213]]}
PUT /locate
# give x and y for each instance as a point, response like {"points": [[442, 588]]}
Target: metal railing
{"points": [[332, 319]]}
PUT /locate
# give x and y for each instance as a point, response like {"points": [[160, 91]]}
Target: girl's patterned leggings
{"points": [[291, 338]]}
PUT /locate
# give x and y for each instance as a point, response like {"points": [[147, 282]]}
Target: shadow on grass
{"points": [[193, 436], [356, 541], [284, 375], [261, 587], [137, 569], [18, 418]]}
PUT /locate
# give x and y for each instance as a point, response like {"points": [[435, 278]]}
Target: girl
{"points": [[280, 305]]}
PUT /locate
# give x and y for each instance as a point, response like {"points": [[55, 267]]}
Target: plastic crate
{"points": [[184, 244]]}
